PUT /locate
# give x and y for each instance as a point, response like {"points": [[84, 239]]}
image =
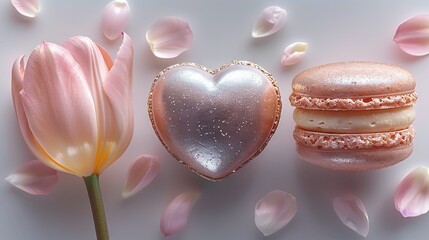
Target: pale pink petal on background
{"points": [[140, 174], [169, 37], [294, 53], [34, 178], [352, 213], [412, 36], [116, 15], [176, 214], [17, 85], [28, 8], [412, 194], [274, 211], [59, 108], [118, 90], [271, 20]]}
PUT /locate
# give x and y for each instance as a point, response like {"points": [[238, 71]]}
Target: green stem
{"points": [[94, 194]]}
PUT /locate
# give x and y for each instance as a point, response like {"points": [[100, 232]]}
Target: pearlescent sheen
{"points": [[214, 121]]}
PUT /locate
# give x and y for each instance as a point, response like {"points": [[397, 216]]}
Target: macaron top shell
{"points": [[353, 79], [353, 86]]}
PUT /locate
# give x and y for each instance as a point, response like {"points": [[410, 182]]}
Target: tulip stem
{"points": [[94, 194]]}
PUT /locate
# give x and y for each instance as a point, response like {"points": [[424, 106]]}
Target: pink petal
{"points": [[412, 194], [59, 108], [142, 172], [169, 37], [412, 36], [118, 91], [176, 214], [17, 84], [271, 20], [274, 211], [352, 213], [34, 178], [294, 53], [28, 8], [115, 18]]}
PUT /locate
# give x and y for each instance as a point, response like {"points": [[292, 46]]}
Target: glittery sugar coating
{"points": [[214, 122]]}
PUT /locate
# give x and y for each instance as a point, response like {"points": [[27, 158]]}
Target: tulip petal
{"points": [[412, 194], [118, 91], [412, 36], [142, 172], [59, 108], [95, 62], [34, 178], [28, 8], [115, 18], [271, 20], [17, 85], [274, 211], [169, 37], [352, 213], [176, 214], [294, 53]]}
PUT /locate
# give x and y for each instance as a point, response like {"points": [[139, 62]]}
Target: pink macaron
{"points": [[354, 116]]}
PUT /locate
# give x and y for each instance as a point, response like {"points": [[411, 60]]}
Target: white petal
{"points": [[169, 37], [115, 18], [176, 214], [294, 53], [412, 194], [271, 20], [142, 172], [34, 178], [28, 8], [352, 213], [274, 211]]}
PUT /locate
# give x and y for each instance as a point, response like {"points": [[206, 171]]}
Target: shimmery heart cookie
{"points": [[214, 121]]}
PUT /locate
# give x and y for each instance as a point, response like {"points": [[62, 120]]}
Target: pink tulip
{"points": [[74, 107]]}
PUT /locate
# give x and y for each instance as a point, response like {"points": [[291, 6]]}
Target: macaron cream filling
{"points": [[363, 121]]}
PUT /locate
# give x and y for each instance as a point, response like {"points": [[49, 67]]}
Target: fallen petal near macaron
{"points": [[412, 194], [274, 211], [28, 8], [412, 36], [271, 20], [294, 53], [115, 18], [34, 178], [140, 174], [169, 37], [352, 213], [176, 214]]}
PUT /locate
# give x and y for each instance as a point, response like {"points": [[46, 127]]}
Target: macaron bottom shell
{"points": [[354, 160]]}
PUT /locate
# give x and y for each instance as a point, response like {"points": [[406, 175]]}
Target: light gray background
{"points": [[335, 30]]}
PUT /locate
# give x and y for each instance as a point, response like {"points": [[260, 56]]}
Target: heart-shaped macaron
{"points": [[214, 121]]}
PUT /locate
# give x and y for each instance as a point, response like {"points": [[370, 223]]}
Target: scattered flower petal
{"points": [[115, 18], [34, 178], [412, 36], [28, 8], [352, 213], [142, 172], [294, 53], [271, 20], [169, 37], [274, 211], [176, 214], [412, 194]]}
